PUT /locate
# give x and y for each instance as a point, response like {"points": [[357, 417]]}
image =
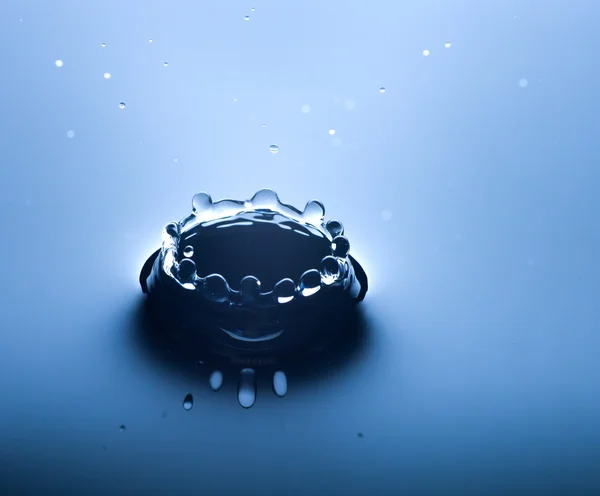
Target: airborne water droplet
{"points": [[523, 83], [103, 45], [246, 18], [122, 428], [382, 90], [332, 132], [247, 388], [280, 384], [188, 402], [70, 133], [216, 380], [107, 75], [188, 251], [122, 105], [58, 63], [426, 53], [447, 44], [274, 149], [166, 64]]}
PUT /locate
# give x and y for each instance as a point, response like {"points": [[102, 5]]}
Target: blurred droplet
{"points": [[150, 40], [426, 53], [280, 384], [523, 83], [166, 64], [58, 63], [246, 18], [382, 90], [70, 133], [253, 9], [107, 75], [103, 45], [332, 132], [216, 380], [274, 149], [122, 428], [447, 44], [188, 402], [122, 105], [306, 109]]}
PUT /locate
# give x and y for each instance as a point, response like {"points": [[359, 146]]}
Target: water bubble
{"points": [[216, 380], [188, 251], [273, 148], [386, 214], [284, 291], [103, 45], [122, 105], [246, 18], [122, 428], [58, 63], [280, 384], [335, 227], [426, 53], [166, 64], [523, 83], [187, 269], [331, 132], [340, 246], [382, 90], [107, 75], [70, 133], [330, 269], [310, 282], [247, 388], [305, 109], [188, 402], [447, 44]]}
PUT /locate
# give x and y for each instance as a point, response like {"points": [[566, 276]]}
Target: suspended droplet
{"points": [[166, 64], [70, 133], [122, 105], [382, 90], [247, 388], [122, 428], [188, 402], [273, 148], [330, 270], [523, 83], [447, 44], [58, 63], [103, 45], [284, 291], [107, 75], [216, 380], [340, 246], [310, 282], [150, 40], [201, 202], [335, 228], [426, 53], [280, 383], [187, 269], [188, 251], [331, 132]]}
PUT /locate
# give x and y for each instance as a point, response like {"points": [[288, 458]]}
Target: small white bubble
{"points": [[70, 133], [122, 105], [150, 40], [246, 18], [274, 149], [523, 83], [253, 9], [386, 215], [349, 104], [107, 75], [426, 53], [306, 109], [166, 64], [382, 90], [447, 44], [58, 63], [331, 132], [103, 45]]}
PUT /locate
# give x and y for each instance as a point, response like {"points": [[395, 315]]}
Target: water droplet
{"points": [[150, 40], [447, 44], [253, 9], [330, 269], [70, 133], [250, 289], [107, 75], [426, 53], [335, 228], [273, 148], [284, 291], [264, 125], [246, 18], [310, 282], [306, 109], [265, 199], [247, 388], [340, 246], [523, 83], [122, 105], [201, 202], [216, 288], [331, 132], [166, 64], [314, 211], [58, 63], [122, 428], [188, 402], [216, 380], [103, 45], [188, 251], [187, 269], [280, 384], [382, 90], [386, 214]]}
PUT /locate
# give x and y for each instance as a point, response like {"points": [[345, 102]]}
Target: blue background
{"points": [[471, 200]]}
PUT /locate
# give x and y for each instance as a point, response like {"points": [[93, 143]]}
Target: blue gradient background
{"points": [[480, 375]]}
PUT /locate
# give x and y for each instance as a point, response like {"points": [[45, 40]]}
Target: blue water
{"points": [[468, 190]]}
